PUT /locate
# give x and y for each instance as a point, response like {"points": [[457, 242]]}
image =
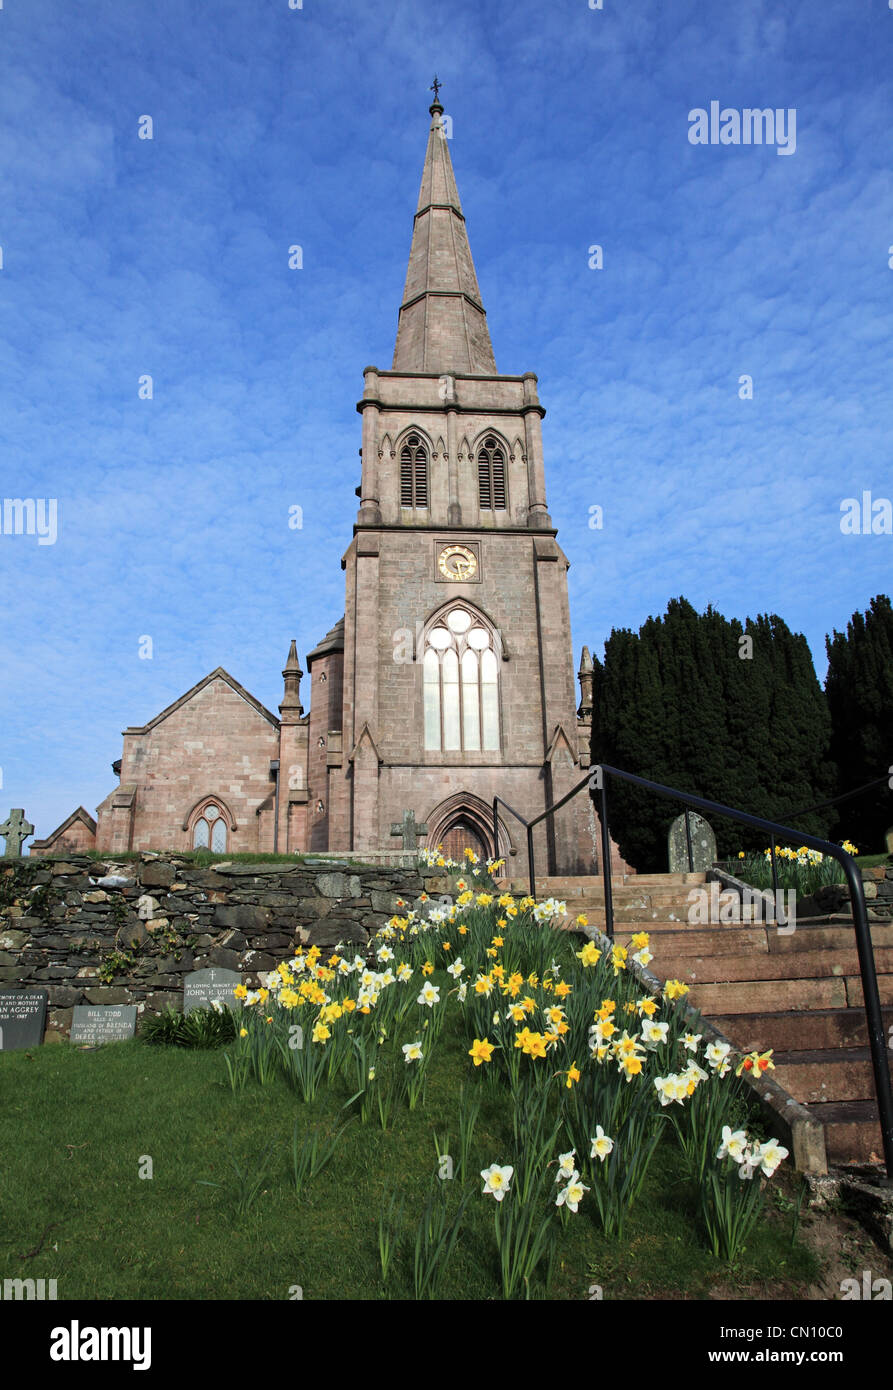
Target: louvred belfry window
{"points": [[491, 476], [413, 473], [460, 685]]}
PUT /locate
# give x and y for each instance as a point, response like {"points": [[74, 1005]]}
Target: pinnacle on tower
{"points": [[442, 326], [585, 676], [291, 700]]}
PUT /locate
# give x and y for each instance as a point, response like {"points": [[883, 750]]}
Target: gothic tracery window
{"points": [[209, 830], [491, 475], [413, 473], [460, 685]]}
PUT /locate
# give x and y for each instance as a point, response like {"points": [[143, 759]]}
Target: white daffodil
{"points": [[572, 1195], [693, 1075], [412, 1052], [670, 1088], [456, 968], [404, 972], [429, 995], [384, 954], [601, 1144], [769, 1156], [716, 1054], [566, 1166], [644, 956], [496, 1180], [462, 991], [733, 1145], [691, 1040], [654, 1033]]}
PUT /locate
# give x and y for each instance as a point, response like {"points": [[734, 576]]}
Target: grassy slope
{"points": [[75, 1125]]}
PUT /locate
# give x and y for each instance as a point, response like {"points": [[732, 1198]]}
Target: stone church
{"points": [[450, 677]]}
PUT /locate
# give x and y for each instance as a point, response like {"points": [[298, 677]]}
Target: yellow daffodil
{"points": [[480, 1051]]}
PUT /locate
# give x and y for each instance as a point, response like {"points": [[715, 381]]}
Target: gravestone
{"points": [[16, 831], [889, 839], [203, 988], [703, 844], [22, 1018], [103, 1023], [409, 830]]}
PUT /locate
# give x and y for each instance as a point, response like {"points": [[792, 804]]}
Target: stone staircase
{"points": [[799, 993]]}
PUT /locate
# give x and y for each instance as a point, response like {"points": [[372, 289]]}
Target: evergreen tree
{"points": [[859, 687], [731, 713]]}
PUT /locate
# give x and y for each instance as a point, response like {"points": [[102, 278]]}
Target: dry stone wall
{"points": [[126, 932]]}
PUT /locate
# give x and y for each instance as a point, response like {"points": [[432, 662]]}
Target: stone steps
{"points": [[798, 1030], [798, 992], [852, 1131]]}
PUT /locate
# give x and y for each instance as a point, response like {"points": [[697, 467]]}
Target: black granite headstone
{"points": [[22, 1018]]}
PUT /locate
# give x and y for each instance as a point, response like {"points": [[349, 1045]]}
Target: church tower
{"points": [[458, 674]]}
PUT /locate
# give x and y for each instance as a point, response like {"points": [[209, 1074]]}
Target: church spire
{"points": [[442, 325]]}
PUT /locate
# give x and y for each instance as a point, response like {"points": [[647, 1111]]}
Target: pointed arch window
{"points": [[413, 473], [461, 688], [209, 829], [491, 475]]}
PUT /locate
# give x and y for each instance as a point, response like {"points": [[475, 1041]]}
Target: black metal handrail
{"points": [[867, 969]]}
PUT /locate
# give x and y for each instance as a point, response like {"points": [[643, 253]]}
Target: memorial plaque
{"points": [[22, 1018], [102, 1023], [703, 844], [203, 988]]}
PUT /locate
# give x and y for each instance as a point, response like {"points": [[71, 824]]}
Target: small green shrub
{"points": [[201, 1028]]}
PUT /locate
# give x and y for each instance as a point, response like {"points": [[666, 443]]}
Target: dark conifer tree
{"points": [[729, 713], [859, 687]]}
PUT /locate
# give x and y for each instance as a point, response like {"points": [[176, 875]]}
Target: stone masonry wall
{"points": [[61, 920]]}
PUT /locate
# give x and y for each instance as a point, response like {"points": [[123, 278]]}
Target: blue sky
{"points": [[272, 127]]}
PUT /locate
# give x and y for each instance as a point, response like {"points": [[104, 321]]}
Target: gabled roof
{"points": [[79, 815], [219, 674]]}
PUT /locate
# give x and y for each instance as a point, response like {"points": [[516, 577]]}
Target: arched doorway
{"points": [[465, 821], [461, 836]]}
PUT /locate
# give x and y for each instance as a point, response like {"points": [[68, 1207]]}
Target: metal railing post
{"points": [[774, 876], [530, 861], [606, 861]]}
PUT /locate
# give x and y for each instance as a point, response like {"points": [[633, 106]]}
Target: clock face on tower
{"points": [[457, 562]]}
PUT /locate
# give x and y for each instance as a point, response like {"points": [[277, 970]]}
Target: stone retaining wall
{"points": [[62, 919]]}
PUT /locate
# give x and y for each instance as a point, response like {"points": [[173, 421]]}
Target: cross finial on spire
{"points": [[435, 88]]}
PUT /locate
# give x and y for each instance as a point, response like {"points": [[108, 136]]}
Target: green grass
{"points": [[76, 1125]]}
